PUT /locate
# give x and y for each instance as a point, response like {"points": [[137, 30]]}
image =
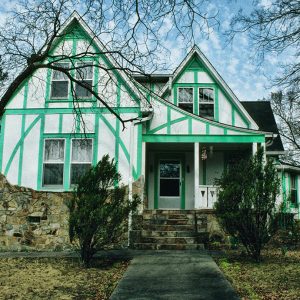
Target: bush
{"points": [[246, 202], [98, 209]]}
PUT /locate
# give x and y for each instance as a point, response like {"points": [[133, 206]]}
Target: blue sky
{"points": [[235, 62]]}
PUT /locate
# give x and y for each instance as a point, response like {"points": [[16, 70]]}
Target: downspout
{"points": [[131, 151]]}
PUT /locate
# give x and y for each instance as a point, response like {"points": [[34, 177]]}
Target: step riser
{"points": [[179, 228], [148, 246], [167, 241], [150, 233]]}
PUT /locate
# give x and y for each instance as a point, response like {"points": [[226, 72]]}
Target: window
{"points": [[54, 156], [293, 190], [60, 82], [84, 73], [185, 99], [206, 102], [169, 172], [81, 158]]}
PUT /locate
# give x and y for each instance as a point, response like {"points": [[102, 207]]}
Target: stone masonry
{"points": [[31, 220]]}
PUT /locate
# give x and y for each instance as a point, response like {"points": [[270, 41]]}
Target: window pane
{"points": [[82, 92], [77, 171], [206, 95], [185, 95], [169, 169], [206, 110], [294, 196], [59, 89], [84, 70], [186, 106], [57, 75], [53, 174], [82, 150], [54, 150], [170, 187], [293, 181]]}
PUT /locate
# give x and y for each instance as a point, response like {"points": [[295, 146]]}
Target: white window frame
{"points": [[185, 102], [90, 62], [78, 163], [57, 80], [54, 163], [203, 102]]}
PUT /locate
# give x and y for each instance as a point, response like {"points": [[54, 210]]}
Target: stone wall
{"points": [[31, 220], [38, 221]]}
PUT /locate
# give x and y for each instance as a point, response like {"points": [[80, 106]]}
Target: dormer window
{"points": [[206, 102], [186, 99]]}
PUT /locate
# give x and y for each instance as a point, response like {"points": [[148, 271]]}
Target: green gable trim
{"points": [[200, 119], [168, 124], [185, 138]]}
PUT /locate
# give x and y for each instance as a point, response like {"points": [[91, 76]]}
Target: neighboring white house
{"points": [[189, 128]]}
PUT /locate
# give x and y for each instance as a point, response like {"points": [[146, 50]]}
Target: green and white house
{"points": [[188, 129]]}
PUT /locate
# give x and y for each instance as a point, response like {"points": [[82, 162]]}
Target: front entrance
{"points": [[170, 183]]}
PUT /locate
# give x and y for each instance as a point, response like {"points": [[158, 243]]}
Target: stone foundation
{"points": [[31, 220], [38, 221]]}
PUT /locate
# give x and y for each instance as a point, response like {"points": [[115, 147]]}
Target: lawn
{"points": [[51, 278], [276, 277]]}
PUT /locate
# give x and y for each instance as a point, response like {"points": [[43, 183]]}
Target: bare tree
{"points": [[286, 106], [273, 30], [133, 33], [276, 30]]}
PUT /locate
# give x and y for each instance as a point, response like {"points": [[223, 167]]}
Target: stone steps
{"points": [[173, 233], [169, 230], [155, 246]]}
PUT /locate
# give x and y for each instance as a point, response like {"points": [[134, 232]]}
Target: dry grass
{"points": [[50, 278], [276, 277]]}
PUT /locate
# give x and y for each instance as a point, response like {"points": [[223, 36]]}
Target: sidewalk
{"points": [[174, 275]]}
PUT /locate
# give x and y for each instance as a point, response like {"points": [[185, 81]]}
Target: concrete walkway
{"points": [[173, 275]]}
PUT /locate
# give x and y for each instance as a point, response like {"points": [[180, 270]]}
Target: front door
{"points": [[170, 182]]}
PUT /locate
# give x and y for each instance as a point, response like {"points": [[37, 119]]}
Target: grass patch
{"points": [[276, 277], [56, 278]]}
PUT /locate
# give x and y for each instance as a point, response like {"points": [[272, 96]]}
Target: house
{"points": [[186, 130]]}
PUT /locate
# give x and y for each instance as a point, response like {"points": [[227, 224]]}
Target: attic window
{"points": [[59, 82], [185, 98], [84, 73], [206, 102]]}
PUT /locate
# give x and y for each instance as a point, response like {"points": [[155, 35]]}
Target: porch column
{"points": [[254, 148], [197, 203], [143, 171], [263, 145]]}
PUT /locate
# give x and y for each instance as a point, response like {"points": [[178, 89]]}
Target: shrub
{"points": [[98, 209], [246, 202]]}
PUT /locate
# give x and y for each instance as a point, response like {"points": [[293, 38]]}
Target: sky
{"points": [[235, 62]]}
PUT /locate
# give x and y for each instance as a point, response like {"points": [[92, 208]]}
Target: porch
{"points": [[182, 175]]}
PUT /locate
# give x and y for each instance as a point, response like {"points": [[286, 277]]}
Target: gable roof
{"points": [[75, 17], [262, 113], [214, 73]]}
